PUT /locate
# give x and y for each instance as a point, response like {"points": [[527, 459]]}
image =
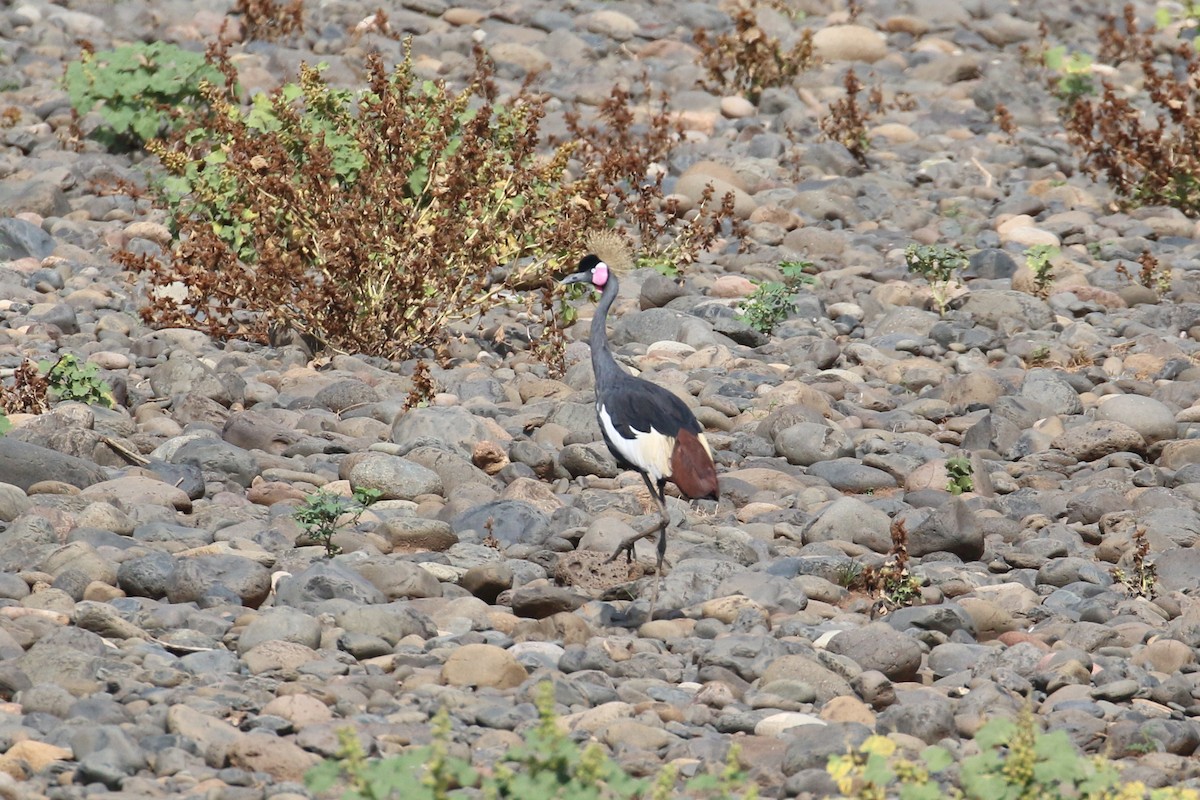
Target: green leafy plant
{"points": [[849, 574], [748, 60], [70, 379], [797, 273], [1188, 14], [139, 88], [1073, 72], [323, 513], [939, 265], [773, 301], [958, 473], [767, 306], [660, 264], [1142, 581], [1017, 762], [1039, 356], [547, 764], [1039, 258]]}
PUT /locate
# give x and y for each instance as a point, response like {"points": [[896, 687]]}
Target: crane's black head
{"points": [[591, 270]]}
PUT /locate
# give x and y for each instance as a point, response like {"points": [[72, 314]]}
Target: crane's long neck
{"points": [[603, 364]]}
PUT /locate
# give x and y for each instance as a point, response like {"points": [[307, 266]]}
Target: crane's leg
{"points": [[627, 544], [659, 494]]}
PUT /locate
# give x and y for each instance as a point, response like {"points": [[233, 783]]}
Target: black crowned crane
{"points": [[646, 427]]}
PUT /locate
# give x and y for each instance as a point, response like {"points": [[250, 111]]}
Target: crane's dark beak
{"points": [[577, 277]]}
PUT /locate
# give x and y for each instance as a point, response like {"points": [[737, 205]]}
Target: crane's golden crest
{"points": [[611, 248]]}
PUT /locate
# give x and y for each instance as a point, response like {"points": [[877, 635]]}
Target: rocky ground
{"points": [[163, 632]]}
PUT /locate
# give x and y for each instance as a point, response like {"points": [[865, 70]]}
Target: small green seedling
{"points": [[958, 470], [70, 379], [322, 511], [939, 265], [770, 304], [1075, 74], [1039, 356], [1039, 259], [797, 273]]}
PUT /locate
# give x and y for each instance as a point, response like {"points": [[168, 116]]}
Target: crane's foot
{"points": [[626, 546]]}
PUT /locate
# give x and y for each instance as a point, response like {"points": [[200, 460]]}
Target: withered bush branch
{"points": [[1149, 152], [376, 222]]}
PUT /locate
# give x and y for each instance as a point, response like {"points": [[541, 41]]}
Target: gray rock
{"points": [[928, 719], [251, 430], [746, 655], [345, 394], [487, 581], [945, 618], [23, 464], [826, 682], [183, 373], [60, 315], [394, 477], [39, 197], [695, 580], [1094, 440], [26, 543], [1176, 569], [106, 754], [880, 647], [807, 443], [281, 623], [1128, 738], [397, 578], [452, 427], [849, 519], [950, 528], [325, 580], [1152, 419], [662, 324], [509, 521], [810, 747], [1006, 310], [146, 576], [849, 475], [216, 456], [220, 578], [1051, 391], [539, 602], [20, 238], [951, 657], [454, 470], [392, 622], [13, 502], [1065, 571], [588, 459]]}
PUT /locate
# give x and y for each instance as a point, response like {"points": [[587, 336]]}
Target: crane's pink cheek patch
{"points": [[600, 274]]}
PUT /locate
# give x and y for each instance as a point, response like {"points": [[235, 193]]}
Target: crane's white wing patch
{"points": [[649, 451]]}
